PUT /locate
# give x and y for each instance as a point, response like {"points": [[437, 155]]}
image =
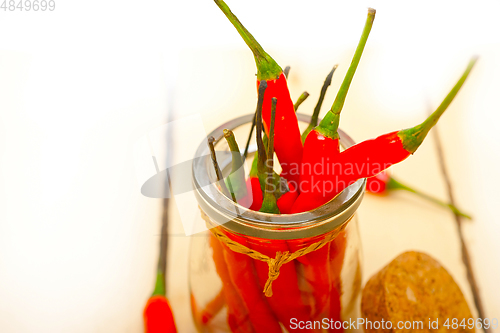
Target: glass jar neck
{"points": [[222, 211]]}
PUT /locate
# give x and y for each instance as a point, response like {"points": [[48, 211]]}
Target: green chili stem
{"points": [[233, 145], [330, 122], [218, 172], [413, 137], [231, 190], [254, 170], [269, 204], [160, 284], [393, 184], [237, 175], [300, 100], [267, 68], [314, 119]]}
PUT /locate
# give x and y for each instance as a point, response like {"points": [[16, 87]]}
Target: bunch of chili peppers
{"points": [[314, 171]]}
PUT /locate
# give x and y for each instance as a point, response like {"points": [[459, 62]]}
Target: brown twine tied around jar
{"points": [[273, 263]]}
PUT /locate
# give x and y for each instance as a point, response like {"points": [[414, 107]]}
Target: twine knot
{"points": [[274, 270], [273, 263]]}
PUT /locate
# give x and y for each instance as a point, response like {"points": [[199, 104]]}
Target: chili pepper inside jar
{"points": [[259, 272]]}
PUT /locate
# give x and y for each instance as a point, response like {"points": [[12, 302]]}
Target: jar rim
{"points": [[223, 211]]}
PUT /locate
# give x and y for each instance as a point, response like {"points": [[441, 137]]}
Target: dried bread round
{"points": [[414, 287]]}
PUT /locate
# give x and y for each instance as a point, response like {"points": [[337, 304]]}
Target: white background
{"points": [[80, 85]]}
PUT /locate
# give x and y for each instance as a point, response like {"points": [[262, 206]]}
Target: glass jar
{"points": [[259, 272]]}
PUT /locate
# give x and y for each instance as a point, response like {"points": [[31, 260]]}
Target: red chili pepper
{"points": [[383, 183], [241, 272], [322, 142], [237, 312], [317, 277], [157, 313], [337, 253], [288, 145], [378, 184], [321, 271], [244, 277], [286, 301], [158, 317], [253, 187], [367, 158], [286, 201]]}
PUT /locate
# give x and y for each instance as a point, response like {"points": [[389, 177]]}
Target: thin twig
{"points": [[162, 261], [218, 172], [261, 90], [162, 256], [245, 152], [458, 219]]}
